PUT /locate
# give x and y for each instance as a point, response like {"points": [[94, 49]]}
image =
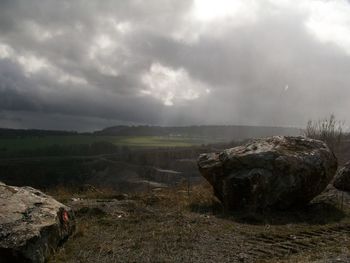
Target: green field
{"points": [[31, 143]]}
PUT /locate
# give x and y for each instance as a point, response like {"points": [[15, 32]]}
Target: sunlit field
{"points": [[31, 143]]}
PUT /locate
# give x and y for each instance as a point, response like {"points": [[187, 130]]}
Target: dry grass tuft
{"points": [[198, 198], [82, 229], [329, 130]]}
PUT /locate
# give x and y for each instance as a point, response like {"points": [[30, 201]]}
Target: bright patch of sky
{"points": [[171, 85], [329, 22]]}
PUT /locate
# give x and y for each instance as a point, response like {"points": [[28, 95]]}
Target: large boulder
{"points": [[342, 178], [32, 224], [276, 172]]}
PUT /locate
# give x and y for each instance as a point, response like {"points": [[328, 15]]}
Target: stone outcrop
{"points": [[342, 178], [32, 224], [276, 172]]}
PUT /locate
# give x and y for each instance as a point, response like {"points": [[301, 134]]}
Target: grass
{"points": [[22, 143], [30, 143], [177, 225], [157, 141]]}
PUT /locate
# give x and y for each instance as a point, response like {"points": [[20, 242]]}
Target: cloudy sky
{"points": [[87, 64]]}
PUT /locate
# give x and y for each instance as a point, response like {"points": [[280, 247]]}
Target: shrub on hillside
{"points": [[329, 130]]}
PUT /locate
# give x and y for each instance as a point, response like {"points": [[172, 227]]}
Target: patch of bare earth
{"points": [[176, 225]]}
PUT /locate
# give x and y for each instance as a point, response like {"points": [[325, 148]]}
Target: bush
{"points": [[329, 130]]}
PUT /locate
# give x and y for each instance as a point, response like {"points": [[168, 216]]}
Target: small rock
{"points": [[101, 207], [342, 178]]}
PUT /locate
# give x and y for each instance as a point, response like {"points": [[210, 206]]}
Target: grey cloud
{"points": [[247, 67], [251, 66], [15, 89]]}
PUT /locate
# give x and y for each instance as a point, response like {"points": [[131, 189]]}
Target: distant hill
{"points": [[227, 133], [4, 132], [215, 132]]}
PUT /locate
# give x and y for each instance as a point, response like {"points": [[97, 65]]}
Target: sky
{"points": [[84, 65]]}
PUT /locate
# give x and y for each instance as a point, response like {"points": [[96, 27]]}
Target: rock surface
{"points": [[342, 178], [112, 207], [32, 224], [276, 172]]}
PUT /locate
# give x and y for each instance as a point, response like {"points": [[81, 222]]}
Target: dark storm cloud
{"points": [[88, 64], [15, 90]]}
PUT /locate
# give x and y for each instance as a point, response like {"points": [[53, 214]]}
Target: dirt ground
{"points": [[181, 225]]}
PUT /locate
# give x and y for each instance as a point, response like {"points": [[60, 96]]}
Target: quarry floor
{"points": [[188, 225]]}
